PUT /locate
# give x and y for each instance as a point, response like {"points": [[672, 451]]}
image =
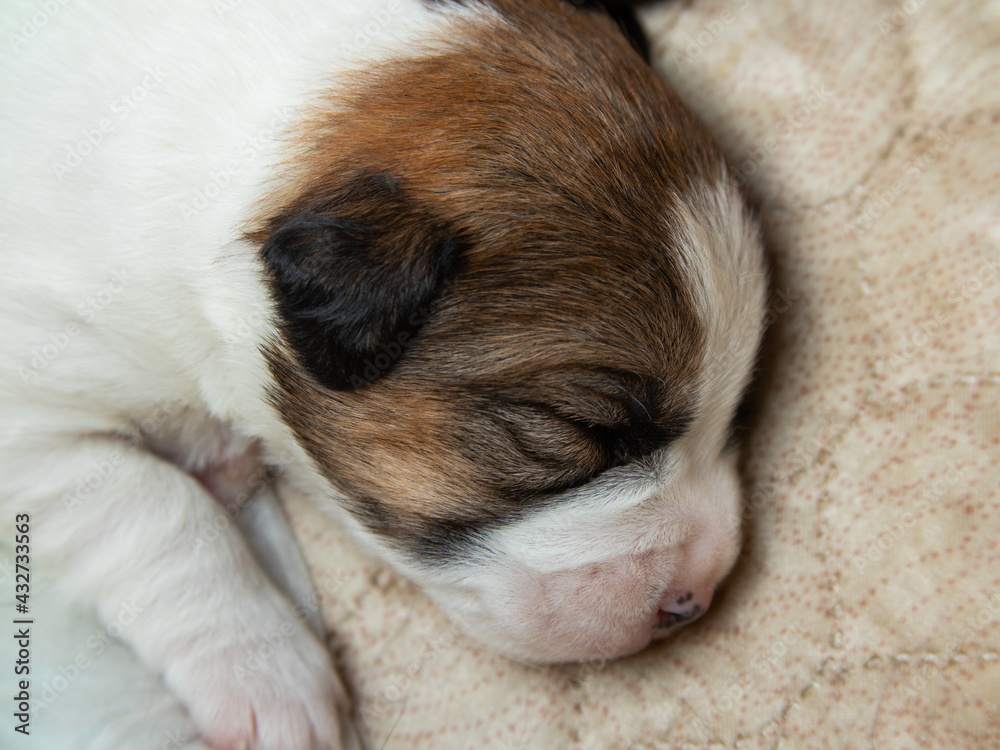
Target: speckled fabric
{"points": [[864, 610]]}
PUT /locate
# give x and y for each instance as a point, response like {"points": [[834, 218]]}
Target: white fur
{"points": [[134, 144], [130, 321]]}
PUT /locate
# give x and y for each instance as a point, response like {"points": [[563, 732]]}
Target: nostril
{"points": [[667, 619], [677, 608]]}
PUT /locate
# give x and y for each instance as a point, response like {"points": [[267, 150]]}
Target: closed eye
{"points": [[561, 429], [569, 451], [635, 439]]}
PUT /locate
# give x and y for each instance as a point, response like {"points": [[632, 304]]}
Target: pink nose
{"points": [[682, 605]]}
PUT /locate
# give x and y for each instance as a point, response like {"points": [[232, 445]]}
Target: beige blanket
{"points": [[864, 611]]}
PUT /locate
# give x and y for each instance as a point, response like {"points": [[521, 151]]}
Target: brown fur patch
{"points": [[566, 340]]}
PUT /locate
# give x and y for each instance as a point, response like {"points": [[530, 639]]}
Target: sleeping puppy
{"points": [[467, 273]]}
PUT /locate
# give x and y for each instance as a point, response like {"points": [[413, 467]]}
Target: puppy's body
{"points": [[467, 273]]}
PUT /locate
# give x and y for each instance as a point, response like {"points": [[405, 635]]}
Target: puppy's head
{"points": [[519, 299]]}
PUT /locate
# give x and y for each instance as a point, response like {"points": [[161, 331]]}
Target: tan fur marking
{"points": [[562, 158]]}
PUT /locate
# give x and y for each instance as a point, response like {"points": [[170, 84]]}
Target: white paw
{"points": [[277, 691]]}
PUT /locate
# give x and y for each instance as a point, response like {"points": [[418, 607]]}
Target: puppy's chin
{"points": [[602, 582]]}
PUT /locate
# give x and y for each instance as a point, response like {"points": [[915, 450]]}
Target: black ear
{"points": [[353, 276]]}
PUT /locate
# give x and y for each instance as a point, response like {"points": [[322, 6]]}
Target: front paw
{"points": [[275, 691]]}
